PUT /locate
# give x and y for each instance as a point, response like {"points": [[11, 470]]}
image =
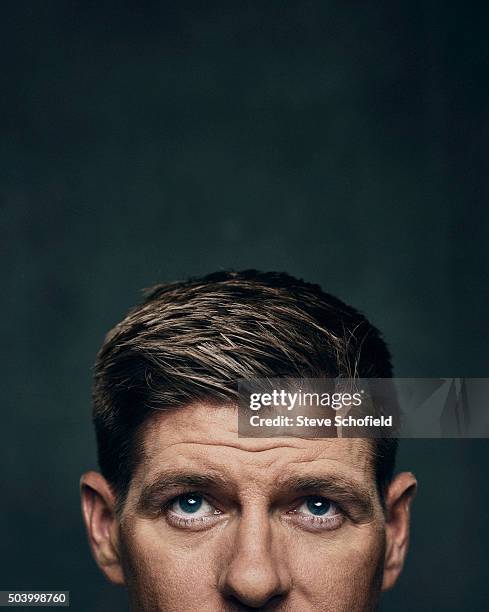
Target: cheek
{"points": [[168, 572], [341, 572]]}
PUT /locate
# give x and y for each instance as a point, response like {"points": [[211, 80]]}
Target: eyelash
{"points": [[188, 523], [298, 519]]}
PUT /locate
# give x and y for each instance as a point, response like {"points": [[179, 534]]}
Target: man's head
{"points": [[189, 516]]}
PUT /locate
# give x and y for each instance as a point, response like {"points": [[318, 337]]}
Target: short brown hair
{"points": [[193, 340]]}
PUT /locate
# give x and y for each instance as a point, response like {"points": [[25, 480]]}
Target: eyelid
{"points": [[354, 509], [193, 494], [172, 496], [298, 501], [304, 498]]}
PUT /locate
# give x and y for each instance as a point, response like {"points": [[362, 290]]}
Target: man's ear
{"points": [[399, 496], [98, 509]]}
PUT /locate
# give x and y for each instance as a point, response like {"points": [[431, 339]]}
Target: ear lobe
{"points": [[98, 509], [400, 494]]}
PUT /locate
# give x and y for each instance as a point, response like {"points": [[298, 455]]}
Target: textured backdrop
{"points": [[343, 142]]}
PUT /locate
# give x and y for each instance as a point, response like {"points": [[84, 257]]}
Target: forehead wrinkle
{"points": [[223, 463], [356, 461], [313, 448], [226, 427], [230, 445], [302, 463]]}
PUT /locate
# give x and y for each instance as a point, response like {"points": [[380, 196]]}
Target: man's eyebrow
{"points": [[156, 492], [339, 488]]}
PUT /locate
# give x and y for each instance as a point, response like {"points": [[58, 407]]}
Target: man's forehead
{"points": [[207, 435]]}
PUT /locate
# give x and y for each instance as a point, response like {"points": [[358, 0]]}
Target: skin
{"points": [[254, 543]]}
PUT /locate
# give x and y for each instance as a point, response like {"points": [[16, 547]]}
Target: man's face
{"points": [[214, 522]]}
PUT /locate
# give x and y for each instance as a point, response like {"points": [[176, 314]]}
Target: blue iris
{"points": [[190, 503], [318, 505]]}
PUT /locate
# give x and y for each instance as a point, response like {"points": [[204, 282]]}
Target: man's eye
{"points": [[316, 513], [191, 504], [191, 511], [318, 506]]}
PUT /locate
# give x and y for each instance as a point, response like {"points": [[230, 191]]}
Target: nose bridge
{"points": [[256, 572], [254, 533]]}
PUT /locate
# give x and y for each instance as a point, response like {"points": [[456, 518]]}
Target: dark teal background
{"points": [[343, 142]]}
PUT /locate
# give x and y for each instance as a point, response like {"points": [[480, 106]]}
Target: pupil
{"points": [[318, 505], [190, 503]]}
